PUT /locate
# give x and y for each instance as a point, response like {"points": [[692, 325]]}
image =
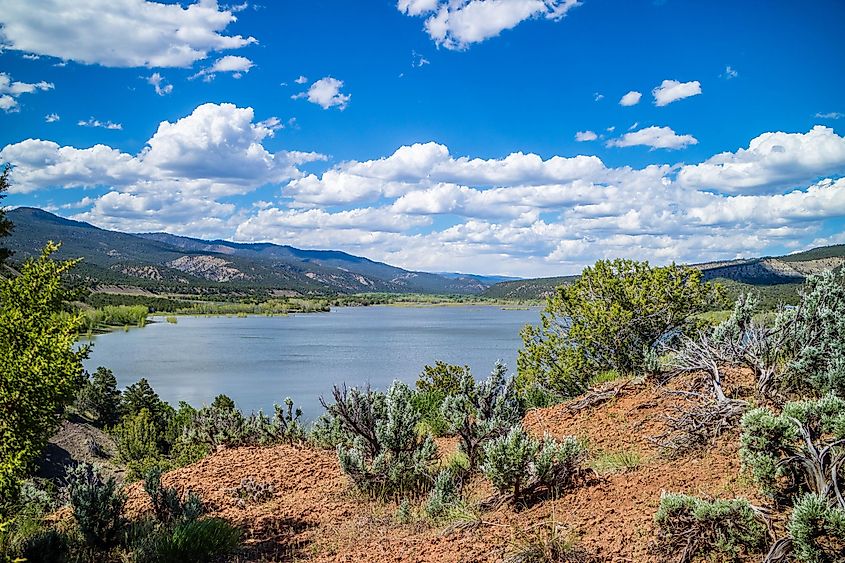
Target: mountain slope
{"points": [[168, 261], [767, 271]]}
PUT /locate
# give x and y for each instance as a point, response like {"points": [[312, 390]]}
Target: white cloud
{"points": [[11, 90], [326, 94], [423, 208], [237, 65], [456, 24], [216, 150], [632, 98], [582, 136], [597, 96], [671, 91], [119, 33], [654, 137], [157, 81], [302, 79], [91, 122], [730, 73], [831, 115], [51, 117], [771, 161]]}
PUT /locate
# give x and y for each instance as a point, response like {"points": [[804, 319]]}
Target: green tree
{"points": [[40, 367], [101, 397], [5, 224], [608, 320], [141, 395]]}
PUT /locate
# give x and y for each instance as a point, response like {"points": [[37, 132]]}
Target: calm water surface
{"points": [[259, 361]]}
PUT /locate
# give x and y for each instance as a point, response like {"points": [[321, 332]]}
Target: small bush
{"points": [[480, 412], [97, 505], [250, 491], [443, 494], [139, 443], [168, 503], [782, 451], [817, 530], [193, 540], [383, 454], [692, 527], [520, 465], [48, 545], [607, 319]]}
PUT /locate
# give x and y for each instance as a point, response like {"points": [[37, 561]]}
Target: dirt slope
{"points": [[314, 516]]}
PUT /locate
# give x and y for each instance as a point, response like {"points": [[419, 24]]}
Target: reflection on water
{"points": [[260, 360]]}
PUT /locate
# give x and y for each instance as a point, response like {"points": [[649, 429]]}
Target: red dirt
{"points": [[314, 515]]}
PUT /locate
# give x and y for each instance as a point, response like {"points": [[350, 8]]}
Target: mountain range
{"points": [[161, 261], [170, 262]]}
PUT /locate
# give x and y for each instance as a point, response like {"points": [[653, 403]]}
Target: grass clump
{"points": [[546, 542], [616, 462], [691, 527]]}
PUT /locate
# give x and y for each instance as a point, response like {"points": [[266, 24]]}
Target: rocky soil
{"points": [[315, 516]]}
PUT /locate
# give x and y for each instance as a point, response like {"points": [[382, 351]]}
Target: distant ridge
{"points": [[165, 261], [768, 271]]}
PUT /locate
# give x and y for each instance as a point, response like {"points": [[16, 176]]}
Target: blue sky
{"points": [[436, 134]]}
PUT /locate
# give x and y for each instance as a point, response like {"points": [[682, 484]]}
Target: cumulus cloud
{"points": [[831, 115], [119, 33], [456, 24], [157, 82], [771, 161], [632, 98], [184, 169], [671, 91], [302, 79], [422, 207], [10, 90], [52, 117], [326, 94], [582, 136], [654, 137]]}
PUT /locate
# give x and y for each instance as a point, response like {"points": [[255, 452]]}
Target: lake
{"points": [[259, 361]]}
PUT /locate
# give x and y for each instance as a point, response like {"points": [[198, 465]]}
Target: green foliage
{"points": [[100, 397], [616, 462], [443, 495], [97, 506], [168, 504], [442, 377], [480, 412], [692, 527], [521, 465], [141, 395], [188, 540], [139, 443], [817, 530], [606, 320], [327, 432], [382, 454], [815, 346], [40, 366], [116, 315], [434, 384], [798, 449], [6, 226], [508, 460]]}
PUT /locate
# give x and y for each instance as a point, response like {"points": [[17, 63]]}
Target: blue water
{"points": [[258, 361]]}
